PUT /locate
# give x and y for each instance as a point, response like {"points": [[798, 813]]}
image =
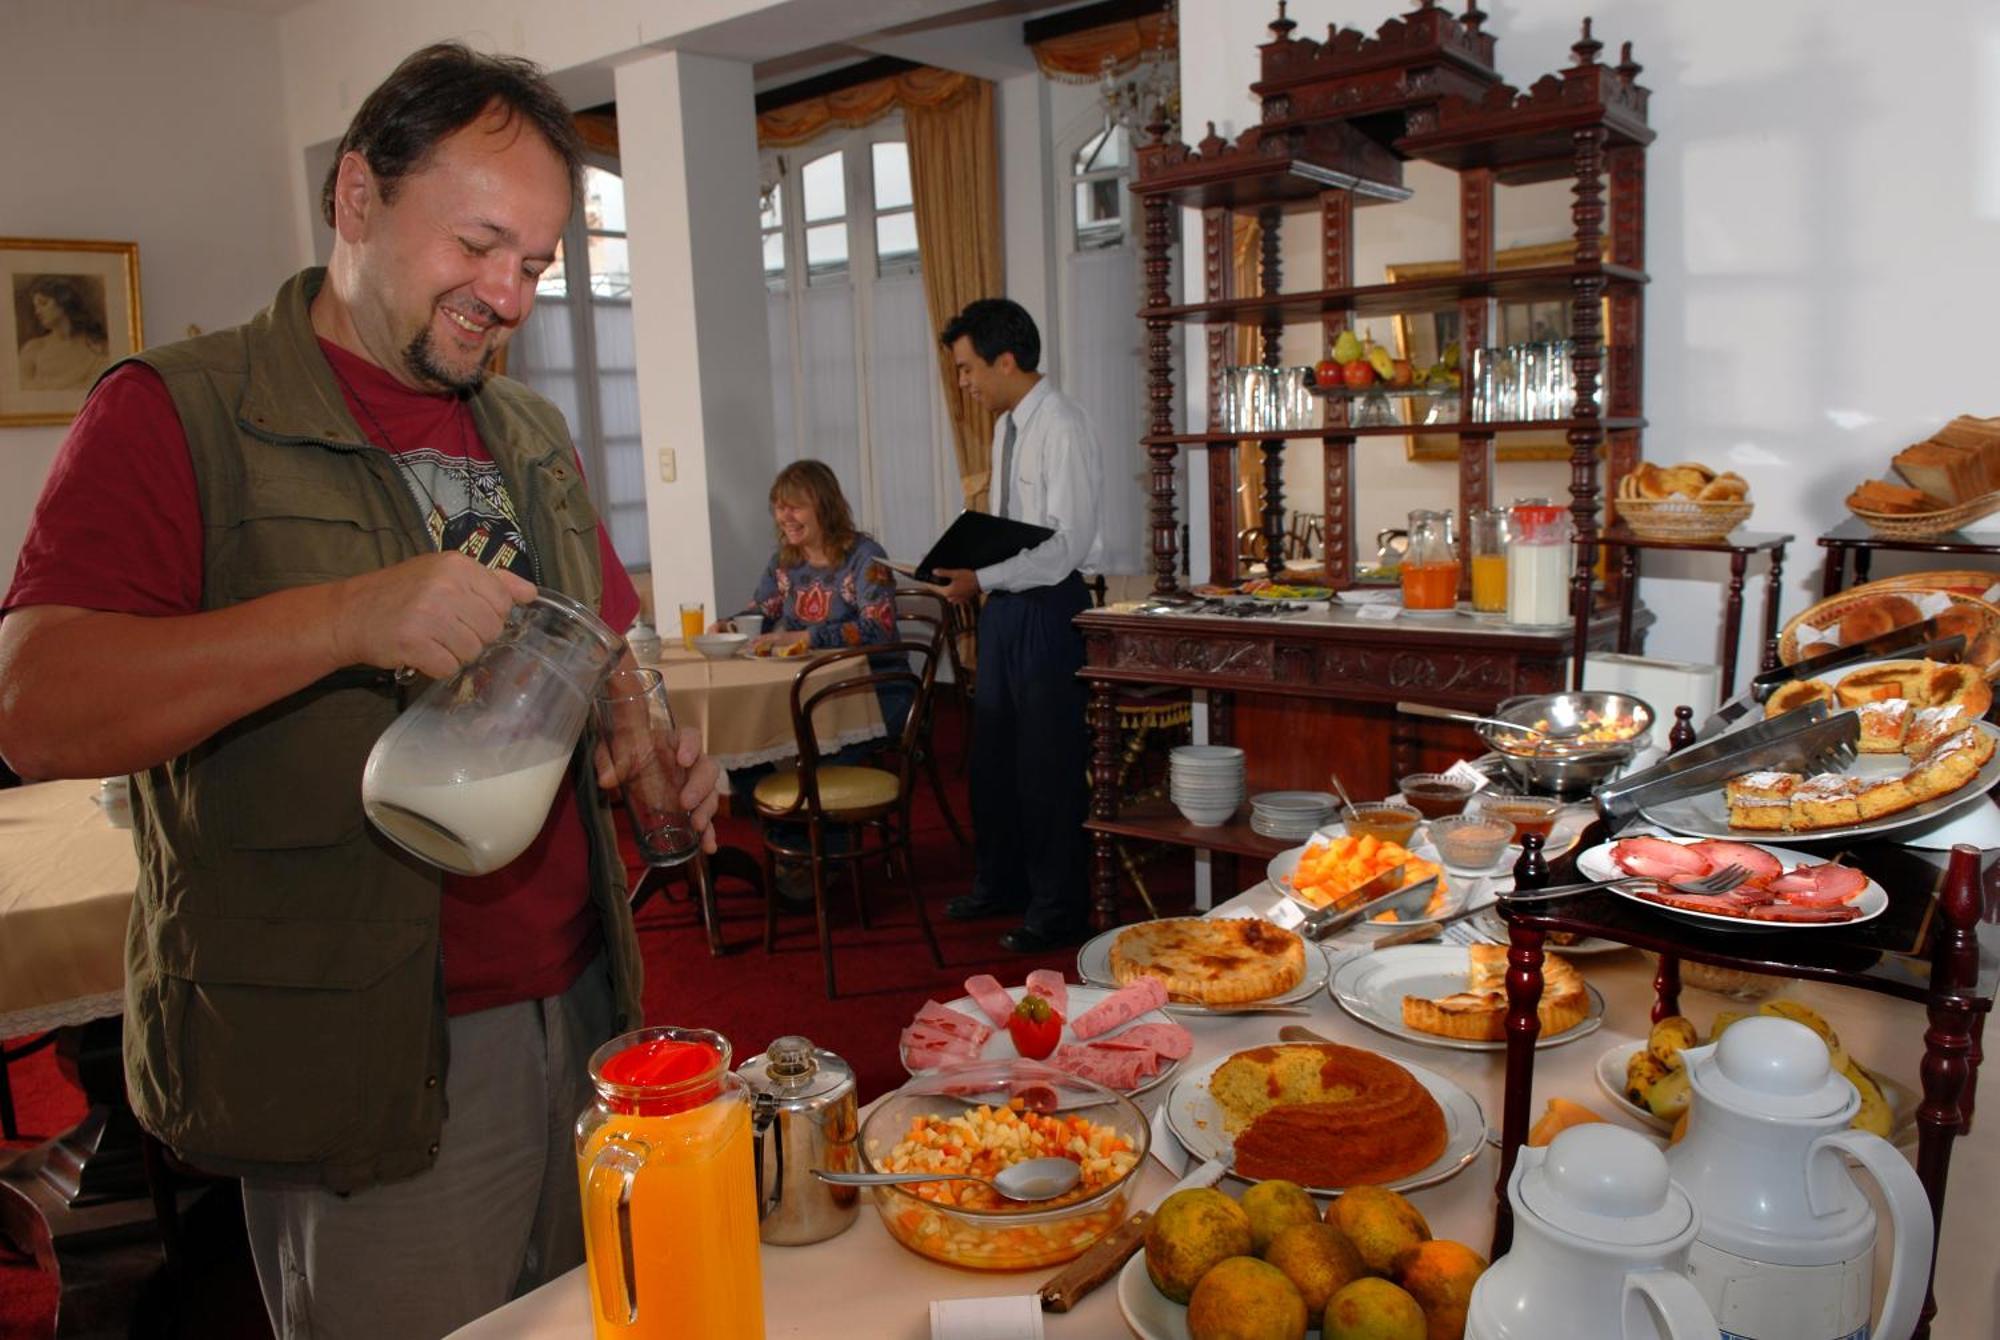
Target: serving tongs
{"points": [[1374, 894], [1912, 640], [1809, 740]]}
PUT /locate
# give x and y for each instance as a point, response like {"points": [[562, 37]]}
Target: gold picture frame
{"points": [[1421, 336], [68, 310]]}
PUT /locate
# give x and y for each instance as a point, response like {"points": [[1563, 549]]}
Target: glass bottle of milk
{"points": [[1538, 562], [464, 779]]}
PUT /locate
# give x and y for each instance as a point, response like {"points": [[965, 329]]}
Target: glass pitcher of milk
{"points": [[465, 777]]}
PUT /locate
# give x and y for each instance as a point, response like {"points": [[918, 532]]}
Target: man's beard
{"points": [[420, 358]]}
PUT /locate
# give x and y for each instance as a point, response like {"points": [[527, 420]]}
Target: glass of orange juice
{"points": [[664, 1157], [694, 621], [1489, 560]]}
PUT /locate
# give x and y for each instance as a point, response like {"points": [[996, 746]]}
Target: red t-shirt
{"points": [[118, 528]]}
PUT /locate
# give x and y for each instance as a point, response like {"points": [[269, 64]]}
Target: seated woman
{"points": [[828, 586]]}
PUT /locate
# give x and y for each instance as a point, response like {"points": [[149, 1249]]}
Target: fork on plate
{"points": [[1716, 881]]}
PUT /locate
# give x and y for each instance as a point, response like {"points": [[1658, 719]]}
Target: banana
{"points": [[1668, 1096], [1378, 358], [1723, 1018], [1669, 1036], [1641, 1072], [1451, 355], [1811, 1018], [1874, 1116]]}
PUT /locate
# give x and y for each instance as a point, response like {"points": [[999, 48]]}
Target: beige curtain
{"points": [[955, 177], [921, 88], [1078, 58]]}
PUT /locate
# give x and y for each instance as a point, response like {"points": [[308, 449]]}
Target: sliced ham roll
{"points": [[1122, 1005], [991, 998], [1168, 1039], [950, 1021], [1657, 858], [1050, 986], [1763, 866]]}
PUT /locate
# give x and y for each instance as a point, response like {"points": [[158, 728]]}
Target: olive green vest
{"points": [[284, 1004]]}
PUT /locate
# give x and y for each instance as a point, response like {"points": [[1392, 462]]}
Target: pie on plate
{"points": [[1210, 961], [1479, 1013]]}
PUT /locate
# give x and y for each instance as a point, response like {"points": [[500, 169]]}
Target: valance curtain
{"points": [[955, 177], [1078, 58], [920, 89]]}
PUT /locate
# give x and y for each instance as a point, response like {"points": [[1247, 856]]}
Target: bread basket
{"points": [[1828, 612], [1684, 519], [1927, 525]]}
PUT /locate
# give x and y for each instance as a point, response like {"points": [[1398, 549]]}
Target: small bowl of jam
{"points": [[1434, 795], [1528, 814], [1470, 841], [1384, 820]]}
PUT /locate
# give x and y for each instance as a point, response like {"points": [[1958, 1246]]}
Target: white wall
{"points": [[112, 136], [1823, 233]]}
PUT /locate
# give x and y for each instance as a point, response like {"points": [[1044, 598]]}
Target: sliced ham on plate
{"points": [[991, 997], [1167, 1039], [1050, 986], [1126, 1003]]}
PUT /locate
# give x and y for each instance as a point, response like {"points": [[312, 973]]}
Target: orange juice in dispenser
{"points": [[669, 1191]]}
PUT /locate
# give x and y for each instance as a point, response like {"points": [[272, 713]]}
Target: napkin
{"points": [[1167, 1146], [1015, 1316]]}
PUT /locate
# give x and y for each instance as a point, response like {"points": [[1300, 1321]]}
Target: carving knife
{"points": [[1912, 639]]}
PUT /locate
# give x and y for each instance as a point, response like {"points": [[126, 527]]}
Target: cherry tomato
{"points": [[1035, 1027]]}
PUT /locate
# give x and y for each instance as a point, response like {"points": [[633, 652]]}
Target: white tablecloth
{"points": [[863, 1283], [66, 882]]}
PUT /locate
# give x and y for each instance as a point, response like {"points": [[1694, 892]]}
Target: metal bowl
{"points": [[1567, 770]]}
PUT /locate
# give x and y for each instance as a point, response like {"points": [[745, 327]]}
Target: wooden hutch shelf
{"points": [[1546, 283], [1389, 430]]}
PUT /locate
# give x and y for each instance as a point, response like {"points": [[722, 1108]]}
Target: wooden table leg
{"points": [[1833, 574], [1103, 881], [1973, 1059], [1773, 593], [1946, 1070], [1732, 621], [1103, 717], [1667, 987], [1628, 594], [1864, 563], [1524, 1025]]}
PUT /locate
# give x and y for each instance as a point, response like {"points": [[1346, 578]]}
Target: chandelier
{"points": [[1148, 90]]}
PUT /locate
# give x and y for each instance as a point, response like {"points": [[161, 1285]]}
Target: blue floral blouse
{"points": [[849, 605]]}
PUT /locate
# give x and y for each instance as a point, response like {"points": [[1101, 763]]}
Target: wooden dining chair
{"points": [[932, 612], [873, 801]]}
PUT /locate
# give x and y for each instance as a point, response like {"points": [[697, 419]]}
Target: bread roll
{"points": [[1877, 615], [1725, 487]]}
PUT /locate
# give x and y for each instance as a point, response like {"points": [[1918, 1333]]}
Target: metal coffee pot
{"points": [[805, 1119]]}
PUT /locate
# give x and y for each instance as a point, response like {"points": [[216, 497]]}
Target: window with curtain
{"points": [[576, 348], [854, 378]]}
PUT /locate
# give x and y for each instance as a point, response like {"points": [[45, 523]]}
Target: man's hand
{"points": [[432, 613], [961, 585], [699, 794]]}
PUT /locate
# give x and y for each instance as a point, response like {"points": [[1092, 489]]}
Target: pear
{"points": [[1346, 347], [1379, 359]]}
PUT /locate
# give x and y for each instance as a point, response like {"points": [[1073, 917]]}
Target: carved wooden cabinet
{"points": [[1339, 119]]}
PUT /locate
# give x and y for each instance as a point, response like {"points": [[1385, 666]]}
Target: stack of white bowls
{"points": [[1206, 782], [1291, 815]]}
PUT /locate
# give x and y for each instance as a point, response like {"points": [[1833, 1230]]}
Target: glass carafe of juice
{"points": [[1489, 560], [464, 778], [1430, 566], [664, 1158]]}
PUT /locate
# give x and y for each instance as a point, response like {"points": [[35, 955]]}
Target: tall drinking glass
{"points": [[1489, 560], [637, 726], [694, 620]]}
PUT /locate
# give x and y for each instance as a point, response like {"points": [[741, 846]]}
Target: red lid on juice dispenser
{"points": [[662, 1075], [1539, 522]]}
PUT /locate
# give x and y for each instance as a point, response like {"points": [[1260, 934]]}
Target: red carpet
{"points": [[885, 972]]}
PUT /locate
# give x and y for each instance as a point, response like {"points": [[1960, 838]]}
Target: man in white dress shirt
{"points": [[1029, 749]]}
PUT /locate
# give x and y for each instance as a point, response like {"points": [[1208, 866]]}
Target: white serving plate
{"points": [[1707, 815], [1196, 1121], [1872, 901], [1611, 1078], [1000, 1047], [1371, 984], [1280, 868], [1151, 1314], [1489, 922], [1093, 965]]}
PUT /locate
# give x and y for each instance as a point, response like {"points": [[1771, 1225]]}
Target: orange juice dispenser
{"points": [[664, 1157], [1430, 565]]}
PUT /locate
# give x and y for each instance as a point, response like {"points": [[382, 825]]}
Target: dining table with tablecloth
{"points": [[743, 705], [863, 1283]]}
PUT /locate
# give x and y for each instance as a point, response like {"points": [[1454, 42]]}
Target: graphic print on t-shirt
{"points": [[468, 508]]}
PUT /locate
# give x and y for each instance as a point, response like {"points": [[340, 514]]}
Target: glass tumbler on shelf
{"points": [[1489, 560], [1484, 385], [637, 726], [1430, 565]]}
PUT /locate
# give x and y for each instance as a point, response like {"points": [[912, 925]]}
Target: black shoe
{"points": [[976, 907], [1028, 940]]}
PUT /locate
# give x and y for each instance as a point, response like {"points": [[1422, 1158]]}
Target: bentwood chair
{"points": [[872, 802], [932, 612]]}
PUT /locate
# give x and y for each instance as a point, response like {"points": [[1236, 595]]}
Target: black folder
{"points": [[978, 540]]}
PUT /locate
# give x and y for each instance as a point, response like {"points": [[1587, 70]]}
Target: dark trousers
{"points": [[1029, 754]]}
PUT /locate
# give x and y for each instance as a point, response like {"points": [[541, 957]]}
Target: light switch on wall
{"points": [[666, 465]]}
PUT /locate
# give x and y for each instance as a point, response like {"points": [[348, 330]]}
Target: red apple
{"points": [[1358, 374], [1406, 373], [1326, 372]]}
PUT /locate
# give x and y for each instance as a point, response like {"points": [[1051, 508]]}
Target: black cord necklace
{"points": [[434, 517]]}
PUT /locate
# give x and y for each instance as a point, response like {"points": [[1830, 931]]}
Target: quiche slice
{"points": [[1218, 961], [1479, 1013]]}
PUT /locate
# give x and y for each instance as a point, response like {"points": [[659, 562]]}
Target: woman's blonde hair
{"points": [[811, 482]]}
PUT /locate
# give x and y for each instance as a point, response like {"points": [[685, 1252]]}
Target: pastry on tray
{"points": [[1479, 1013], [1210, 960]]}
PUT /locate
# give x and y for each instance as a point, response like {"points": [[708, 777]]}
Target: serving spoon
{"points": [[1032, 1179]]}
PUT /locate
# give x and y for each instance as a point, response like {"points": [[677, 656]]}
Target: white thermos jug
{"points": [[1787, 1239], [1601, 1237]]}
